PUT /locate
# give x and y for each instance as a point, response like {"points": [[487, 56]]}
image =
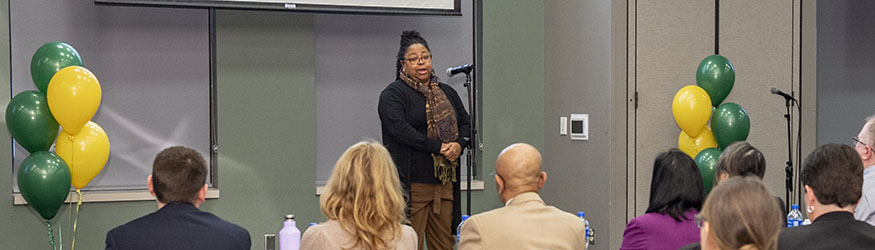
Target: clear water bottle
{"points": [[588, 237], [290, 236], [459, 228], [794, 217]]}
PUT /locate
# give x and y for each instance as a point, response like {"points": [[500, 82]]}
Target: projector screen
{"points": [[410, 7]]}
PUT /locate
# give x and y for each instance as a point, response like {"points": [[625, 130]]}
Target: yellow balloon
{"points": [[73, 96], [86, 153], [693, 145], [691, 108]]}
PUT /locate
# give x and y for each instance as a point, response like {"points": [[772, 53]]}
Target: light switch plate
{"points": [[270, 242], [563, 125], [579, 127]]}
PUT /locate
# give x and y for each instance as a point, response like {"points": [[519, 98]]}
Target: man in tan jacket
{"points": [[525, 221]]}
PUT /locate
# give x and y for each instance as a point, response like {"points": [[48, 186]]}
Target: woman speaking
{"points": [[424, 125]]}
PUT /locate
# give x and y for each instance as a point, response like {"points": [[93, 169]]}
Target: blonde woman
{"points": [[740, 213], [363, 203]]}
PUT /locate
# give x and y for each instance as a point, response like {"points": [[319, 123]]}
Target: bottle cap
{"points": [[465, 217], [290, 217], [581, 214], [795, 206]]}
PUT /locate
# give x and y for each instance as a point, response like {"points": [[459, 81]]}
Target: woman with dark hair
{"points": [[833, 180], [424, 127], [740, 159], [743, 160], [676, 195], [740, 214]]}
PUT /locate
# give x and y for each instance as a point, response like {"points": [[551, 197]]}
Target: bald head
{"points": [[519, 166]]}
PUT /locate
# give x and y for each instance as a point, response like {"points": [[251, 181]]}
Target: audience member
{"points": [[833, 180], [676, 195], [863, 144], [742, 159], [525, 222], [363, 203], [178, 182], [740, 213]]}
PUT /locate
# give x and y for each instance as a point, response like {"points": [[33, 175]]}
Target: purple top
{"points": [[654, 231]]}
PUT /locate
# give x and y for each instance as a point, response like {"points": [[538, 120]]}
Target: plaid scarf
{"points": [[441, 119]]}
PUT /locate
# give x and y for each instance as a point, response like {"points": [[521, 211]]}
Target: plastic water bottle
{"points": [[290, 236], [794, 217], [459, 228], [587, 236]]}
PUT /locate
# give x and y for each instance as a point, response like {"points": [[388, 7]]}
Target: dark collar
{"points": [[835, 216], [177, 207]]}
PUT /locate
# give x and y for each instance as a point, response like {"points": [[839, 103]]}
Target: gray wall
{"points": [[845, 66], [577, 52]]}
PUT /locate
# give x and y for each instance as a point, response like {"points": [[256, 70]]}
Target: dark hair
{"points": [[178, 173], [408, 37], [676, 186], [741, 159], [742, 212], [835, 173]]}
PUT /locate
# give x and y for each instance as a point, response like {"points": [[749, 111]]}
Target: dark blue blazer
{"points": [[178, 226]]}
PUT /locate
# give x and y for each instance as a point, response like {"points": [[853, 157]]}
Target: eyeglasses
{"points": [[857, 140], [700, 221], [425, 58], [494, 173]]}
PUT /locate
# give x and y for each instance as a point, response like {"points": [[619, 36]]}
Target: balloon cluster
{"points": [[694, 105], [69, 96]]}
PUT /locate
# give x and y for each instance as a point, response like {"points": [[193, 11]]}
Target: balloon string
{"points": [[71, 219], [60, 235], [76, 222], [51, 236]]}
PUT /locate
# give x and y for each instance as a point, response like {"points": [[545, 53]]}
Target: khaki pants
{"points": [[431, 215]]}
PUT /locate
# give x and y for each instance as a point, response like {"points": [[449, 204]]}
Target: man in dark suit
{"points": [[178, 182], [833, 180]]}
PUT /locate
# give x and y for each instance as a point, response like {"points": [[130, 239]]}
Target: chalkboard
{"points": [[355, 61], [153, 65]]}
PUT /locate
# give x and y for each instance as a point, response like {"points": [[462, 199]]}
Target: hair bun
{"points": [[410, 34]]}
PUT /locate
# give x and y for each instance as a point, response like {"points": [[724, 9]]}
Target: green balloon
{"points": [[49, 59], [717, 76], [707, 162], [730, 123], [44, 181], [30, 122]]}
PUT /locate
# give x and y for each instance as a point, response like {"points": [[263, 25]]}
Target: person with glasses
{"points": [[740, 213], [863, 145], [424, 125], [676, 195], [832, 177], [525, 221]]}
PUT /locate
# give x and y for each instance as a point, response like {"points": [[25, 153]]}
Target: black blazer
{"points": [[405, 135], [835, 230], [178, 226]]}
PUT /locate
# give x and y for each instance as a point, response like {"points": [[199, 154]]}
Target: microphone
{"points": [[782, 93], [467, 68]]}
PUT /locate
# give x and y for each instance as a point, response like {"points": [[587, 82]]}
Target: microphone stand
{"points": [[472, 143], [789, 168]]}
